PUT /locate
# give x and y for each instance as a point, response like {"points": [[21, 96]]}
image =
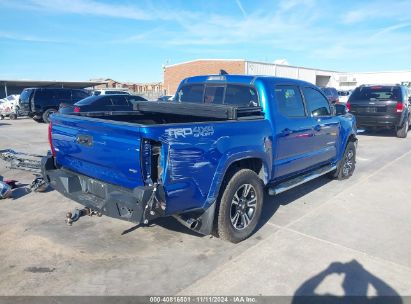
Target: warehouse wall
{"points": [[318, 77], [173, 74]]}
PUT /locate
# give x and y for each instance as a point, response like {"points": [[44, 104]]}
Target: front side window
{"points": [[289, 101], [190, 93], [317, 104]]}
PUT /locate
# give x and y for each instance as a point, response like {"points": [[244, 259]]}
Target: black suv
{"points": [[40, 103], [381, 106]]}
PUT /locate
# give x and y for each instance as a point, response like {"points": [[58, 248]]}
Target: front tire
{"points": [[346, 166], [240, 206]]}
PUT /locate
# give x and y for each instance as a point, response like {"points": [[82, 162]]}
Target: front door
{"points": [[324, 124]]}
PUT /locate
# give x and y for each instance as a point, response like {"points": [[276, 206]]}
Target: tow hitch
{"points": [[74, 216]]}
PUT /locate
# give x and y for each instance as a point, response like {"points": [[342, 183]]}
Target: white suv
{"points": [[110, 92]]}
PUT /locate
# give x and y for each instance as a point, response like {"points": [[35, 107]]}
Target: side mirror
{"points": [[340, 109]]}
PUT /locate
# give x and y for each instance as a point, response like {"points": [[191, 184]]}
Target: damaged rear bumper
{"points": [[138, 205]]}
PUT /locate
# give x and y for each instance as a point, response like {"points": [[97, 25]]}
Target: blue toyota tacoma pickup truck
{"points": [[207, 158]]}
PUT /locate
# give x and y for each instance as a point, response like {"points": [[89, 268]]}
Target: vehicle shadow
{"points": [[273, 203], [4, 124], [358, 285], [168, 223]]}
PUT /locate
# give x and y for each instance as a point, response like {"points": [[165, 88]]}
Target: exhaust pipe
{"points": [[190, 223]]}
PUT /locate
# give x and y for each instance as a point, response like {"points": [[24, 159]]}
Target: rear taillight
{"points": [[348, 105], [53, 152], [399, 107], [76, 109]]}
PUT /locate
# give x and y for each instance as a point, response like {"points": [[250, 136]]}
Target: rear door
{"points": [[294, 146], [325, 126], [100, 149]]}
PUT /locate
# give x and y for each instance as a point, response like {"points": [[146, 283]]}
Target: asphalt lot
{"points": [[324, 237]]}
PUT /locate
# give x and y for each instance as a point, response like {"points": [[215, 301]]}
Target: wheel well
{"points": [[352, 138], [254, 164]]}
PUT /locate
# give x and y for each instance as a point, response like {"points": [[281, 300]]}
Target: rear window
{"points": [[25, 96], [89, 100], [214, 94], [231, 94], [378, 93], [191, 93]]}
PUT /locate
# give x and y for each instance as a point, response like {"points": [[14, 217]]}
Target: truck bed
{"points": [[151, 112]]}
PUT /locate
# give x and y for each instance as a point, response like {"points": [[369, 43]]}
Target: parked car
{"points": [[204, 158], [381, 106], [40, 103], [9, 107], [343, 96], [110, 92], [165, 98], [332, 94], [119, 102]]}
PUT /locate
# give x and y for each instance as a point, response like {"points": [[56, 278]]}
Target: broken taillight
{"points": [[53, 151]]}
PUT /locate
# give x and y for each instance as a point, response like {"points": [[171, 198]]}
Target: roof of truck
{"points": [[242, 79]]}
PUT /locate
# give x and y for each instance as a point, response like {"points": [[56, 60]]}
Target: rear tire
{"points": [[47, 113], [402, 132], [240, 206], [347, 165], [13, 116]]}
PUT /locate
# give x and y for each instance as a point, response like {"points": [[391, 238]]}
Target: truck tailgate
{"points": [[101, 149]]}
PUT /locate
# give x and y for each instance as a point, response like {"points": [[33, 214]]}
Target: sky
{"points": [[132, 40]]}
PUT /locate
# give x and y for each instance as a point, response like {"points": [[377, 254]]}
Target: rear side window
{"points": [[289, 101], [317, 104], [104, 101], [214, 94], [53, 95], [376, 93], [191, 93], [241, 95], [134, 99], [119, 101]]}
